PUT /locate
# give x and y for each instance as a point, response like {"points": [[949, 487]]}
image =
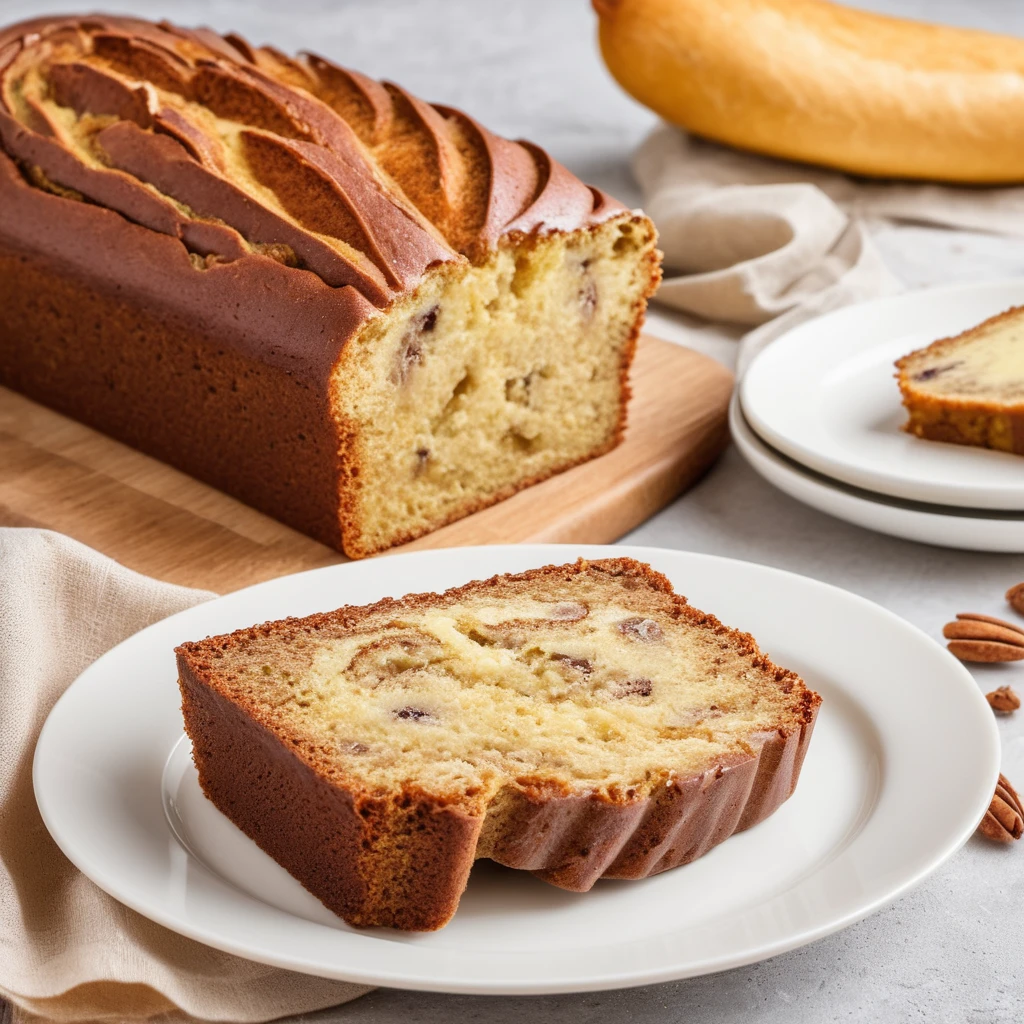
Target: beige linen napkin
{"points": [[67, 950], [768, 244]]}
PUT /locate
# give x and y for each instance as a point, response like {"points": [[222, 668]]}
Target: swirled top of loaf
{"points": [[238, 150]]}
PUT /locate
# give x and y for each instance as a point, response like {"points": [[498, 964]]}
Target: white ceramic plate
{"points": [[946, 526], [825, 395], [117, 790]]}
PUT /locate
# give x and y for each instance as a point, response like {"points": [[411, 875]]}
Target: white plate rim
{"points": [[919, 522], [546, 553], [787, 427]]}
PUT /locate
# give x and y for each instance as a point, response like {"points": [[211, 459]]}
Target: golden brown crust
{"points": [[976, 422], [402, 860], [422, 185], [118, 345], [572, 841]]}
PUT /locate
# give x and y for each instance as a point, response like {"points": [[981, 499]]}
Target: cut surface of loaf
{"points": [[359, 312], [578, 721], [969, 389]]}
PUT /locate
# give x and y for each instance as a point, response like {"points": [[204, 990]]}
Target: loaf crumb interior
{"points": [[495, 375], [987, 364], [581, 681]]}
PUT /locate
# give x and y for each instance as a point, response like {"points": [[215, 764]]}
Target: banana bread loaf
{"points": [[362, 314], [969, 389], [577, 721]]}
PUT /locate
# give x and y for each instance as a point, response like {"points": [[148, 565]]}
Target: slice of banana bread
{"points": [[969, 389], [578, 721], [363, 314]]}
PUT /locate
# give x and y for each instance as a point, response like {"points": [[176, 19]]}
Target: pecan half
{"points": [[1015, 596], [1004, 819], [1004, 700], [975, 637]]}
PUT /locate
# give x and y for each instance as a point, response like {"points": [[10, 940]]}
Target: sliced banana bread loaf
{"points": [[969, 389], [363, 314], [578, 721]]}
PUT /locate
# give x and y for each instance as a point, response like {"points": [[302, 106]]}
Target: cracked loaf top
{"points": [[246, 153]]}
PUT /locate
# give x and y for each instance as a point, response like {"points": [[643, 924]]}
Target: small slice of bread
{"points": [[578, 721], [969, 389]]}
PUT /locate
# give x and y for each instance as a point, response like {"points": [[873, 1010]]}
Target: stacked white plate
{"points": [[818, 414]]}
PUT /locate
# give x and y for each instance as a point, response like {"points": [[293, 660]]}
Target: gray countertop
{"points": [[953, 949]]}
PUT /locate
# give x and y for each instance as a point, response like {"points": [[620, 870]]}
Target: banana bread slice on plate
{"points": [[578, 721], [969, 389]]}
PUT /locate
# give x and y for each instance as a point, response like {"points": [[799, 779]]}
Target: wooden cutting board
{"points": [[56, 473]]}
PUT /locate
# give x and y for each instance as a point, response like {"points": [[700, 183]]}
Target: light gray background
{"points": [[951, 951]]}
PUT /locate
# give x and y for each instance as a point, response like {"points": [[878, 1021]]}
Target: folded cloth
{"points": [[68, 951], [768, 244]]}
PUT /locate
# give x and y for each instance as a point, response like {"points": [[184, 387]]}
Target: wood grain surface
{"points": [[56, 473]]}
